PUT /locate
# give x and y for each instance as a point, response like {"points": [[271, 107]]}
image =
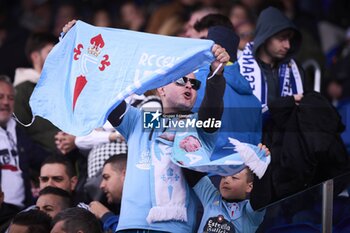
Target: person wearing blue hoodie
{"points": [[242, 116]]}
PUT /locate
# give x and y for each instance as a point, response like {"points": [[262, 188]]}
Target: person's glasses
{"points": [[196, 84]]}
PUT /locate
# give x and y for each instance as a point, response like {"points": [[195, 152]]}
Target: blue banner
{"points": [[92, 69]]}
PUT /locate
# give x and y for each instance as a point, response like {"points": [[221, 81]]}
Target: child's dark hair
{"points": [[250, 175], [36, 221], [66, 196]]}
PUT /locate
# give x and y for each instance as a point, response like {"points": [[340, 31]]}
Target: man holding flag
{"points": [[106, 66], [170, 207], [164, 213]]}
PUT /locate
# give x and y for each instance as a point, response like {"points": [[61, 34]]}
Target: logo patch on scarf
{"points": [[144, 161], [89, 59], [233, 209], [218, 225]]}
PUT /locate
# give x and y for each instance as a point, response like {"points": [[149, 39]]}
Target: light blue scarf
{"points": [[178, 147]]}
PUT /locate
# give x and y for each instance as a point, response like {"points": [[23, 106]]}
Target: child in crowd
{"points": [[226, 210]]}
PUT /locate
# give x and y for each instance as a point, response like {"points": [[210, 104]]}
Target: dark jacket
{"points": [[41, 130], [7, 212], [305, 146], [31, 156]]}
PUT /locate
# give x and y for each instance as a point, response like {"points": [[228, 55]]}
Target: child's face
{"points": [[235, 187], [190, 144]]}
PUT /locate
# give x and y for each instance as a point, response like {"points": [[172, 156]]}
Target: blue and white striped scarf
{"points": [[290, 80]]}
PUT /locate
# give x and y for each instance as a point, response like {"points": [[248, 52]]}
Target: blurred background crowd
{"points": [[323, 23], [325, 52]]}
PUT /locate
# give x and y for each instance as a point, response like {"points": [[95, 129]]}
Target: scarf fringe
{"points": [[251, 158], [167, 213]]}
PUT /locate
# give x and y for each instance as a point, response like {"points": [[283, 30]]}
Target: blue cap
{"points": [[226, 38]]}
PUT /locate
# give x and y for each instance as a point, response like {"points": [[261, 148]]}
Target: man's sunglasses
{"points": [[196, 84]]}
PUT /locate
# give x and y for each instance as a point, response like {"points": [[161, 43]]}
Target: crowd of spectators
{"points": [[324, 26]]}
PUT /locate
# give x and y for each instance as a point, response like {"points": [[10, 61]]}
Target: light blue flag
{"points": [[92, 69], [193, 156]]}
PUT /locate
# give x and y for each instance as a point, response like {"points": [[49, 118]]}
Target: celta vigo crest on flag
{"points": [[92, 55], [92, 69]]}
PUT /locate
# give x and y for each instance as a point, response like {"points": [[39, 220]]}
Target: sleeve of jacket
{"points": [[261, 194], [110, 221], [34, 153], [31, 156], [280, 109], [24, 114], [213, 104]]}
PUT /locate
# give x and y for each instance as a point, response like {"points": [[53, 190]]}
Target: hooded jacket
{"points": [[270, 22]]}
